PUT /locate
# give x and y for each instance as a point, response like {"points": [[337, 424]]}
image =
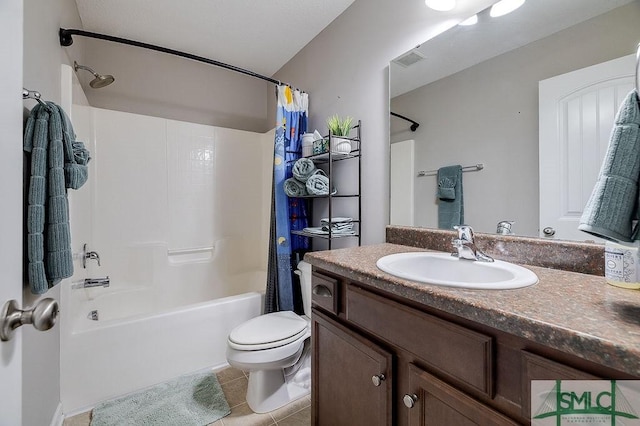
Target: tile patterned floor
{"points": [[234, 385]]}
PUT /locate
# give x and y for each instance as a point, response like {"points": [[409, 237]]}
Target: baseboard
{"points": [[58, 416]]}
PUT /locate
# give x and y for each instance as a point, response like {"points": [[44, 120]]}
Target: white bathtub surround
{"points": [[178, 213]]}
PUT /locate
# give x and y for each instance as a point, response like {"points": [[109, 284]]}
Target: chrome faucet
{"points": [[92, 282], [504, 227], [89, 255], [465, 245]]}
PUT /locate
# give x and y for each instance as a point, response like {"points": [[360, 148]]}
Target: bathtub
{"points": [[132, 346]]}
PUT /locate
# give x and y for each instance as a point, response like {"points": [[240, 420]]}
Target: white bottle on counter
{"points": [[622, 264]]}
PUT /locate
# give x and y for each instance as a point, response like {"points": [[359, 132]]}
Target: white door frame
{"points": [[402, 173], [11, 28]]}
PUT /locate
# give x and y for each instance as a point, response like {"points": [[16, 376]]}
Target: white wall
{"points": [[489, 114], [42, 58], [345, 71], [162, 85], [11, 15]]}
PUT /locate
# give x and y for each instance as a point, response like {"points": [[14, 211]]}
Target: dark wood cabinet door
{"points": [[351, 377], [433, 402]]}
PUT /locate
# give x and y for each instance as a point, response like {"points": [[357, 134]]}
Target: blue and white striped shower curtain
{"points": [[287, 214]]}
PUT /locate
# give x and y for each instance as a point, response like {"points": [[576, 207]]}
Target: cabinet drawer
{"points": [[324, 292], [453, 350]]}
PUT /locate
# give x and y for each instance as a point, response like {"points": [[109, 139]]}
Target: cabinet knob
{"points": [[409, 400], [378, 379]]}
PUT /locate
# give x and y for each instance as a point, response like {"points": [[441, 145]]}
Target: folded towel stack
{"points": [[339, 225], [306, 180]]}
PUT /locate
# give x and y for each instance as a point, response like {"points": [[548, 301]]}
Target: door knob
{"points": [[410, 400], [42, 316], [378, 379]]}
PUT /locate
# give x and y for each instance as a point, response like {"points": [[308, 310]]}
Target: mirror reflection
{"points": [[476, 93]]}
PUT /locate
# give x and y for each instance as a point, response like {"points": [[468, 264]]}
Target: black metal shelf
{"points": [[327, 196], [325, 157], [325, 236], [328, 158]]}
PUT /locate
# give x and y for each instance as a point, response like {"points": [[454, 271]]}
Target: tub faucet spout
{"points": [[92, 282]]}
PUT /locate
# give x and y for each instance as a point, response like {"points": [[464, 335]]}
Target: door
{"points": [[433, 402], [577, 112], [351, 377], [11, 196], [402, 183]]}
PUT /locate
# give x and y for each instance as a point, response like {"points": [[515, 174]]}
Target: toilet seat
{"points": [[268, 331]]}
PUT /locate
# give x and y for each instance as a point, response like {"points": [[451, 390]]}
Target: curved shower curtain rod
{"points": [[66, 39], [414, 124]]}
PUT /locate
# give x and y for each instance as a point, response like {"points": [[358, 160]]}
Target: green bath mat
{"points": [[188, 400]]}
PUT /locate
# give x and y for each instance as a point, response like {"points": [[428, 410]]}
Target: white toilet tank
{"points": [[305, 286]]}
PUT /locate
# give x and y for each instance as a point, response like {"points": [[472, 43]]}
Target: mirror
{"points": [[474, 93]]}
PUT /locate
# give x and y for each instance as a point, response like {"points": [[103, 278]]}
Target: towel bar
{"points": [[474, 168]]}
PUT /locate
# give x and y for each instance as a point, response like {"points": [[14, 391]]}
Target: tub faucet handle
{"points": [[89, 255]]}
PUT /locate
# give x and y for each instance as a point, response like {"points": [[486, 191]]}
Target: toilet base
{"points": [[268, 390]]}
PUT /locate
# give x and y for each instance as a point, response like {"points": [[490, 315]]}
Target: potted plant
{"points": [[339, 129]]}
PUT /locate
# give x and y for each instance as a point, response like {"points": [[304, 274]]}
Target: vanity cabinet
{"points": [[434, 402], [379, 359], [352, 377]]}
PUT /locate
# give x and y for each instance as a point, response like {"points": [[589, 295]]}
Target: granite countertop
{"points": [[575, 313]]}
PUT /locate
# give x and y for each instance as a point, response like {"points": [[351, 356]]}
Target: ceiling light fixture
{"points": [[441, 5], [505, 6], [470, 21]]}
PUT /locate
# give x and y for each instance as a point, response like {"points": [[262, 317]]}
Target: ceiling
{"points": [[260, 36], [462, 47]]}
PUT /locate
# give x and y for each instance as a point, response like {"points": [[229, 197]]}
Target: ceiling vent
{"points": [[409, 58]]}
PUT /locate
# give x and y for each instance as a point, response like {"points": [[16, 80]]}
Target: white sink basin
{"points": [[446, 270]]}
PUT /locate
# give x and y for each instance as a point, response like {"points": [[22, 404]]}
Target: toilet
{"points": [[275, 348]]}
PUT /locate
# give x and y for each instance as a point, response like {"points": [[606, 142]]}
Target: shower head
{"points": [[99, 81]]}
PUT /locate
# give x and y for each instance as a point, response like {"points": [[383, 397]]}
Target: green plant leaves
{"points": [[339, 126]]}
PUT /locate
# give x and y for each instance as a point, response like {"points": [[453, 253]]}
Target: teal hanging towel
{"points": [[450, 197], [57, 162], [612, 208]]}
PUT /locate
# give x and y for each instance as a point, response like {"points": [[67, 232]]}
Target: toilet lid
{"points": [[267, 331]]}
